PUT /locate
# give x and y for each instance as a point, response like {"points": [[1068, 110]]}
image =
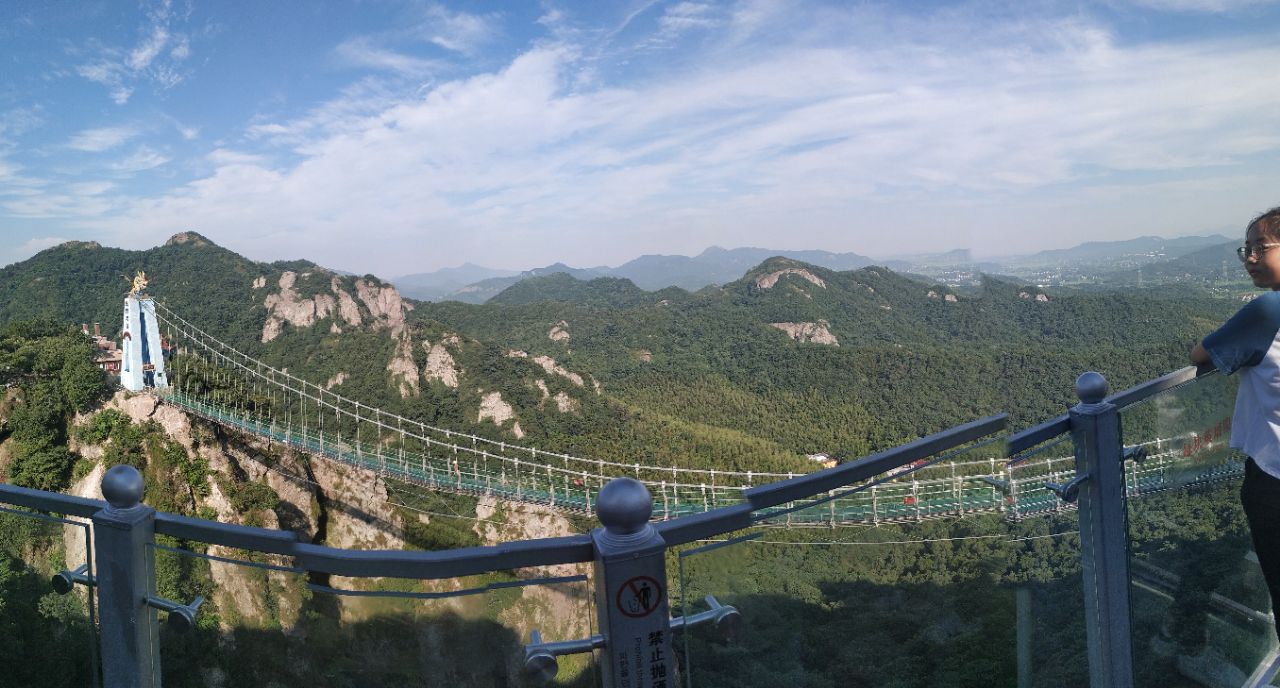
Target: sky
{"points": [[398, 136]]}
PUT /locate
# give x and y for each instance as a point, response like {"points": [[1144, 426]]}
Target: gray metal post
{"points": [[631, 590], [121, 533], [1104, 543]]}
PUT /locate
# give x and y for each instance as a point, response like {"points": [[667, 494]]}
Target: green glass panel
{"points": [[266, 623], [1200, 610], [922, 597], [48, 638], [459, 632], [1044, 547]]}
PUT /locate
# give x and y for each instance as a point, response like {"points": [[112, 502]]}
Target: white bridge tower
{"points": [[142, 360]]}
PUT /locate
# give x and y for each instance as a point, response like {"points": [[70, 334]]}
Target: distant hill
{"points": [[1211, 264], [789, 358], [484, 290], [651, 272], [438, 285], [719, 265], [1141, 249], [605, 292]]}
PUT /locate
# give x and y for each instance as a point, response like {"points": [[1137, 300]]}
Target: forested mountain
{"points": [[650, 272], [1099, 253], [790, 359], [438, 285]]}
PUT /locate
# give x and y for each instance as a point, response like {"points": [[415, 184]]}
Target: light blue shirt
{"points": [[1250, 343]]}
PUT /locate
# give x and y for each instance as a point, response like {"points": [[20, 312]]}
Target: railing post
{"points": [[631, 590], [1104, 544], [121, 533]]}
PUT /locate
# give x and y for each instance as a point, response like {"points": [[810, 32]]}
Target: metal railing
{"points": [[632, 601]]}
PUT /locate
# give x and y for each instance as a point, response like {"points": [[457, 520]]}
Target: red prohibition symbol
{"points": [[639, 596]]}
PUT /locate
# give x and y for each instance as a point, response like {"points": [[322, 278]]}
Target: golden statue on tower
{"points": [[139, 283]]}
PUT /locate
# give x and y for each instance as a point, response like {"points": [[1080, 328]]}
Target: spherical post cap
{"points": [[1091, 387], [624, 505], [541, 668], [62, 582], [122, 487]]}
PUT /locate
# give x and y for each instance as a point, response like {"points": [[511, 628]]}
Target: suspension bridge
{"points": [[212, 380]]}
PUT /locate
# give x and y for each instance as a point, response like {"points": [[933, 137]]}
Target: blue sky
{"points": [[393, 137]]}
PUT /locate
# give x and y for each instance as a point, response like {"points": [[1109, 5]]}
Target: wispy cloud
{"points": [[684, 16], [144, 158], [826, 130], [121, 69], [101, 139], [458, 31], [12, 253], [362, 52], [1203, 6]]}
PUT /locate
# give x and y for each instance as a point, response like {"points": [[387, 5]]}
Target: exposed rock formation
{"points": [[814, 333], [493, 408], [561, 609], [549, 364], [193, 238], [336, 380], [768, 280], [385, 306], [440, 364], [347, 308], [565, 403], [402, 367], [288, 307], [559, 332]]}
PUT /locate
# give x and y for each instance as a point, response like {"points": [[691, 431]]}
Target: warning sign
{"points": [[638, 597]]}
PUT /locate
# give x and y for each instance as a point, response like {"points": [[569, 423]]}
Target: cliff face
{"points": [[323, 502]]}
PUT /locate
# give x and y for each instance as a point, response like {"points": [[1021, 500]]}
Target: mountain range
{"points": [[787, 359], [475, 284]]}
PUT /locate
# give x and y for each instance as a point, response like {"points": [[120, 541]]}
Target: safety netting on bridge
{"points": [[217, 382]]}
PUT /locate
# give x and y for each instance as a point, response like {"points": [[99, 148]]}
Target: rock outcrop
{"points": [[766, 281], [494, 408], [440, 364], [809, 332], [559, 332]]}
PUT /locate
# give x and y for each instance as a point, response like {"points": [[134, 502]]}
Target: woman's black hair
{"points": [[1268, 224]]}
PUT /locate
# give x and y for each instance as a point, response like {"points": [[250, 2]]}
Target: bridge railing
{"points": [[1027, 599]]}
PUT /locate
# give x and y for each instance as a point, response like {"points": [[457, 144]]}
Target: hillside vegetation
{"points": [[790, 359]]}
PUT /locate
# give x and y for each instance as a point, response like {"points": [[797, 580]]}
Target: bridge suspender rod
{"points": [[273, 373]]}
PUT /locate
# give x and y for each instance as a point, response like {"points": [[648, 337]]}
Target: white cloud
{"points": [[121, 69], [224, 156], [684, 16], [12, 253], [362, 52], [95, 188], [19, 121], [776, 142], [456, 31], [1203, 6], [101, 139], [140, 57], [144, 158], [181, 49]]}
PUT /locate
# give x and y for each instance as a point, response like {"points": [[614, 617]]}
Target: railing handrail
{"points": [[577, 548], [70, 505], [522, 553], [1060, 425]]}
